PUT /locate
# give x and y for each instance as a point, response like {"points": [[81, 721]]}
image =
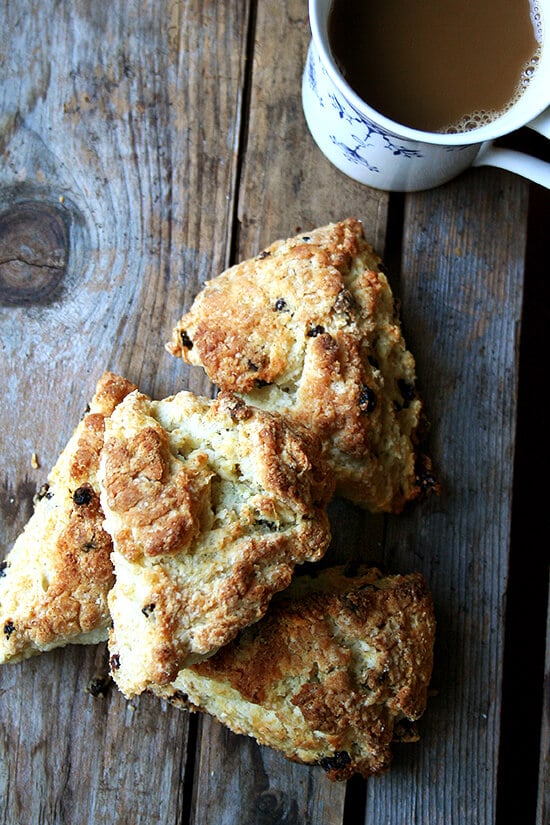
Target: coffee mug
{"points": [[381, 153]]}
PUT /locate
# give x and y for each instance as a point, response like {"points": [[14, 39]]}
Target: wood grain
{"points": [[242, 782], [123, 120], [461, 289], [287, 185]]}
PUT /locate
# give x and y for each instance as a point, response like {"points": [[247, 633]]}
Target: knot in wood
{"points": [[275, 807], [34, 247]]}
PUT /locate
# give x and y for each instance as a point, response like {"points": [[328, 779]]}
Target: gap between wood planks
{"points": [[527, 596], [243, 133]]}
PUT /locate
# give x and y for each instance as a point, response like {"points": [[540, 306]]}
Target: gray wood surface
{"points": [[144, 147], [461, 292]]}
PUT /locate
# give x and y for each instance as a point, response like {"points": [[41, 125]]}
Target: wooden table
{"points": [[146, 146]]}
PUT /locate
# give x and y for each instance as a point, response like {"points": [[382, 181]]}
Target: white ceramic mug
{"points": [[381, 153]]}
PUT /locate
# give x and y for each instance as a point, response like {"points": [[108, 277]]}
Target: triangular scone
{"points": [[330, 676], [55, 579], [210, 505], [309, 328]]}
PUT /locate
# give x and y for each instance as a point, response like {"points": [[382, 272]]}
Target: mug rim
{"points": [[503, 125]]}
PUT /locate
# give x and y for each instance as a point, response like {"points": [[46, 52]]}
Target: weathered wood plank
{"points": [[286, 186], [255, 785], [119, 132], [461, 287]]}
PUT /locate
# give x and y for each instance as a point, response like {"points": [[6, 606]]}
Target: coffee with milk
{"points": [[437, 65]]}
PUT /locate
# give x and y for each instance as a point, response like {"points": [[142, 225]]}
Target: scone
{"points": [[332, 674], [55, 579], [309, 328], [210, 505]]}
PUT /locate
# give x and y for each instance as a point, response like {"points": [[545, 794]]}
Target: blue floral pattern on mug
{"points": [[360, 145], [365, 130]]}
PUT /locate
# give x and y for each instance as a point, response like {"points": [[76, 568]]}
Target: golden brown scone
{"points": [[309, 328], [329, 675], [210, 504], [55, 579]]}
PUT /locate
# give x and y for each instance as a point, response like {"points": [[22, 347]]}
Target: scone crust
{"points": [[210, 504], [54, 581], [310, 328], [328, 675]]}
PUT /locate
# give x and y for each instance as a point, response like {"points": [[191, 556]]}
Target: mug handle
{"points": [[527, 166]]}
